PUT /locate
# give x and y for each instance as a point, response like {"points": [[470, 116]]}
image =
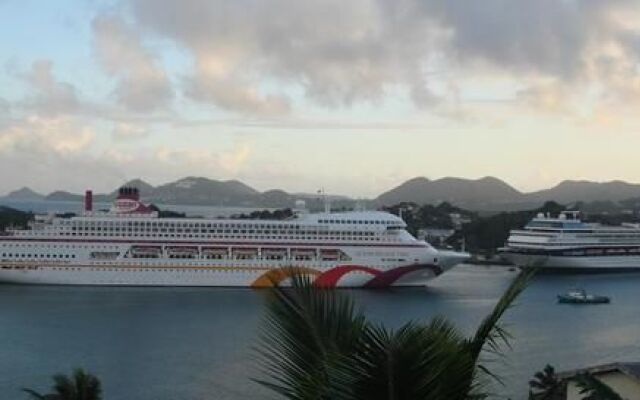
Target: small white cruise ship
{"points": [[567, 244], [132, 245]]}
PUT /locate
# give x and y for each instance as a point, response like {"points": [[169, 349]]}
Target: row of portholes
{"points": [[248, 236], [55, 246], [182, 270], [31, 256]]}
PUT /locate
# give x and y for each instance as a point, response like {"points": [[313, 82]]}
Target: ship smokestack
{"points": [[88, 201]]}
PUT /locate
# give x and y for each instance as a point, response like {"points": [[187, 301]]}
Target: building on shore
{"points": [[622, 377]]}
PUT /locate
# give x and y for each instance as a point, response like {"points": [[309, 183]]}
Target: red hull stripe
{"points": [[331, 277], [388, 278], [379, 278], [209, 243]]}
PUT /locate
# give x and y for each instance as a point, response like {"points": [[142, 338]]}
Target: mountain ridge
{"points": [[486, 193]]}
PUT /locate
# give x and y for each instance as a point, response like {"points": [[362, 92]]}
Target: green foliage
{"points": [[547, 386], [80, 386], [279, 214], [417, 217], [10, 217], [316, 345]]}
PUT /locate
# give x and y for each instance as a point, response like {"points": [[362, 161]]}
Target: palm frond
{"points": [[415, 361], [490, 333], [491, 336], [87, 386], [314, 345], [305, 332], [34, 394], [80, 386], [64, 387], [546, 385]]}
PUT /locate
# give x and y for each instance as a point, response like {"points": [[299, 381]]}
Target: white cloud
{"points": [[124, 131], [52, 97], [41, 135], [230, 95], [142, 83], [340, 53]]}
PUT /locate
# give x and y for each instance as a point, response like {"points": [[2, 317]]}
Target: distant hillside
{"points": [[572, 191], [486, 194], [61, 195], [193, 190], [467, 193], [24, 194]]}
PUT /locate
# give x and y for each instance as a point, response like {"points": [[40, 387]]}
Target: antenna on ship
{"points": [[325, 199]]}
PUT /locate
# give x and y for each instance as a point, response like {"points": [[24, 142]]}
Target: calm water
{"points": [[196, 343]]}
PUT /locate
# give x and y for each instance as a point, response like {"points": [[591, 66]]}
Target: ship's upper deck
{"points": [[130, 219], [569, 230]]}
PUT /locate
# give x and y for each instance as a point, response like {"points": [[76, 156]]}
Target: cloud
{"points": [[51, 97], [5, 108], [142, 84], [231, 95], [234, 160], [186, 161], [341, 53], [338, 52], [40, 135], [123, 131], [549, 97], [544, 36], [49, 152]]}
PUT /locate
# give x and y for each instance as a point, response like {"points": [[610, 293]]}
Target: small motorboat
{"points": [[580, 296]]}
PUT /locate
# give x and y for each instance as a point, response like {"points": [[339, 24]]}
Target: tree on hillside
{"points": [[10, 217], [316, 345], [80, 386], [547, 386]]}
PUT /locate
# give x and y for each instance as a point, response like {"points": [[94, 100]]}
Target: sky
{"points": [[351, 96]]}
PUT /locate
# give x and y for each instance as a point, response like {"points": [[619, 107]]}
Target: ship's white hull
{"points": [[347, 275], [575, 264], [352, 249]]}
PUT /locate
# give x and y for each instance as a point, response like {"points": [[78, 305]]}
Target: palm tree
{"points": [[80, 386], [315, 345], [547, 386]]}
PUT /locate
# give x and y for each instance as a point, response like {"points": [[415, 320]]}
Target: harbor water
{"points": [[200, 343]]}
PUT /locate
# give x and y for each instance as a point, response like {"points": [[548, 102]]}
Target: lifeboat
{"points": [[216, 253], [274, 254], [303, 254], [146, 252], [182, 252], [329, 255], [244, 253]]}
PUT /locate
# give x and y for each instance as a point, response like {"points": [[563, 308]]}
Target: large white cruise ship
{"points": [[567, 244], [132, 245]]}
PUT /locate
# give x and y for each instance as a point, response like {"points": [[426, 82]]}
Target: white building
{"points": [[622, 377]]}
